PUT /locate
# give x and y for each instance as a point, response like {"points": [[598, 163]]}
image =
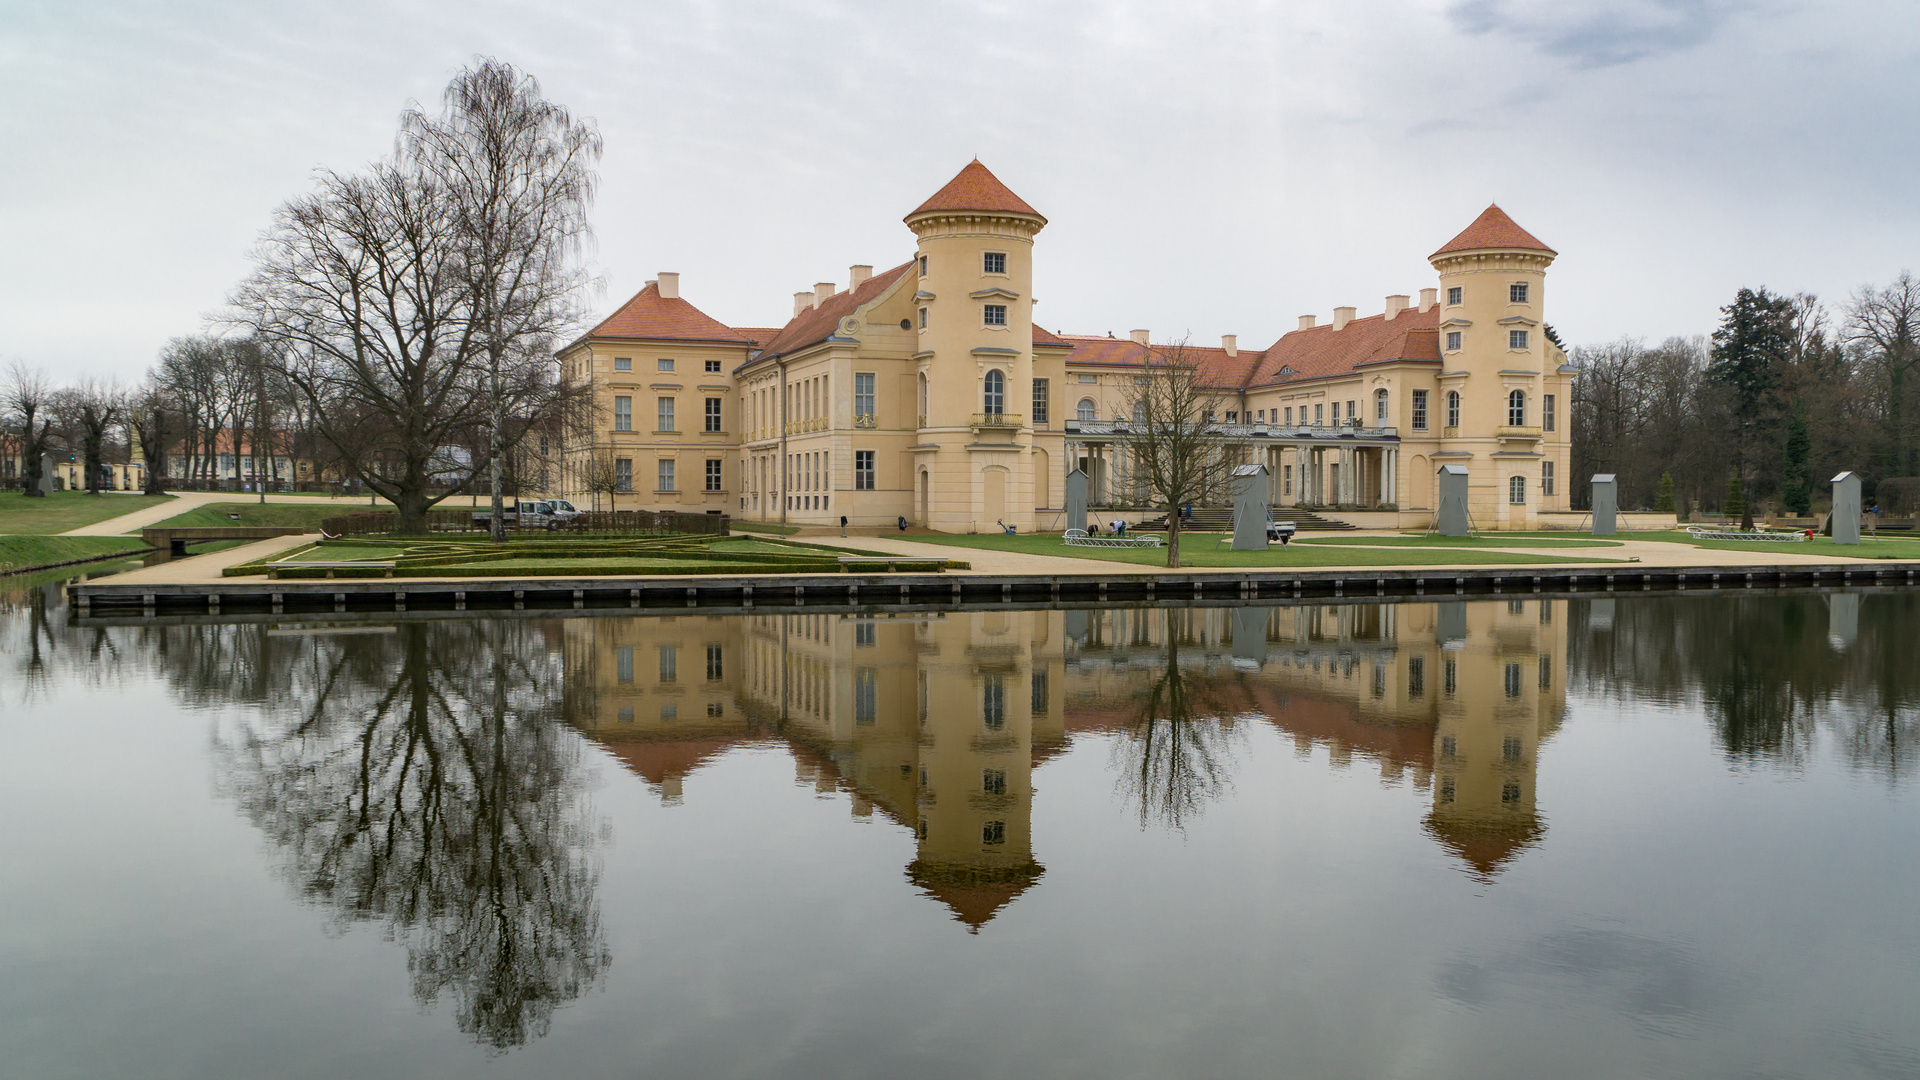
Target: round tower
{"points": [[973, 314], [1496, 358]]}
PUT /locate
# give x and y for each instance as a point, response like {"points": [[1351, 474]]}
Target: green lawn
{"points": [[1203, 550], [1491, 540], [214, 515], [18, 552], [1868, 548], [63, 510], [762, 527]]}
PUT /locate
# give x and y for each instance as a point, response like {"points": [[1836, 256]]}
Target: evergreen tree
{"points": [[1736, 502], [1795, 489], [1663, 495], [1750, 349]]}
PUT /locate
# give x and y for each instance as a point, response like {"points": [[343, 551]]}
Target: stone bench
{"points": [[1079, 538]]}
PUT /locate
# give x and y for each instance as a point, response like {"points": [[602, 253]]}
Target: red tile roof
{"points": [[1323, 352], [1493, 229], [817, 323], [649, 316], [975, 188], [1042, 338], [757, 336]]}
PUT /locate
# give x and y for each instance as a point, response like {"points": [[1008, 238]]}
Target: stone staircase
{"points": [[1220, 519]]}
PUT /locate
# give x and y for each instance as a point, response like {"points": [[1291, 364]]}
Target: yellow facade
{"points": [[926, 393]]}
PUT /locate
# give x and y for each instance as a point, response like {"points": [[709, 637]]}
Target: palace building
{"points": [[927, 392]]}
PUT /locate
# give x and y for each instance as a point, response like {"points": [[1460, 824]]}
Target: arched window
{"points": [[1453, 408], [1380, 407], [923, 393], [1087, 412], [1517, 491], [1517, 409], [994, 401]]}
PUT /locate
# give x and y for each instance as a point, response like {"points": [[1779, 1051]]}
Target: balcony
{"points": [[997, 421], [1512, 432], [865, 421]]}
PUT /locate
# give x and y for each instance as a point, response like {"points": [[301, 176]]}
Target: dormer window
{"points": [[1517, 293], [993, 262], [994, 314], [1453, 295]]}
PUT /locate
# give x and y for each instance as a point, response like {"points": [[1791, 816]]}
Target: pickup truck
{"points": [[529, 514]]}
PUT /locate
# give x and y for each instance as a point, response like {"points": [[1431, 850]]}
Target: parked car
{"points": [[523, 514], [1282, 531], [563, 511]]}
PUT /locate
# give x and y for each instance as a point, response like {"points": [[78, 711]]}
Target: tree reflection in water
{"points": [[421, 779], [1176, 755]]}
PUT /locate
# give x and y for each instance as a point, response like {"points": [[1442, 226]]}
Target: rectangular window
{"points": [[1289, 420], [1546, 668], [623, 474], [993, 702], [1040, 393], [713, 414], [1419, 410], [1517, 294], [1453, 341], [1546, 412], [626, 714], [1453, 295], [866, 695], [923, 266], [1233, 416], [1318, 416], [713, 474], [923, 314], [1286, 479], [993, 781], [1516, 339], [1088, 380], [1546, 478], [716, 663], [864, 634], [666, 415], [716, 708], [1038, 705], [1452, 677], [713, 367], [663, 365], [623, 414], [994, 315], [1417, 676], [863, 470], [623, 363], [666, 475], [993, 262], [669, 663], [863, 396], [993, 832], [623, 663]]}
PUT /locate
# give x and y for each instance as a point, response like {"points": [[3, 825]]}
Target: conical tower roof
{"points": [[1492, 229], [975, 188]]}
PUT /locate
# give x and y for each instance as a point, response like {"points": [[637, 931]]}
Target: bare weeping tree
{"points": [[27, 400], [516, 173], [1176, 453]]}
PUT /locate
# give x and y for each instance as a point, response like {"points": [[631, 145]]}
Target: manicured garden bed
{"points": [[564, 557]]}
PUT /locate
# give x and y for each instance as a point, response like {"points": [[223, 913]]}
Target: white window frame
{"points": [[993, 315], [714, 412], [1453, 341], [1086, 411], [863, 393], [1517, 409], [663, 364], [716, 474], [1418, 419], [1454, 295], [1517, 339], [1517, 293], [622, 412], [623, 363], [993, 392], [663, 414], [863, 470], [664, 475], [993, 263], [1516, 491]]}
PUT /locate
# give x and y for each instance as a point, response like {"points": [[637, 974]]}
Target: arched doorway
{"points": [[1042, 480], [924, 503], [1420, 482], [993, 484]]}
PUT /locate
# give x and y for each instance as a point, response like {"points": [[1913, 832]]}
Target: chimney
{"points": [[801, 302], [1428, 298], [1306, 322], [1139, 336], [1341, 317], [1231, 343], [821, 290], [1396, 304], [669, 286], [857, 275]]}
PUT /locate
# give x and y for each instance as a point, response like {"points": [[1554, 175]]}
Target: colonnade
{"points": [[1300, 474]]}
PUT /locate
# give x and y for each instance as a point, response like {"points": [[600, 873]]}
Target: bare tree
{"points": [[1886, 323], [516, 171], [1176, 455], [96, 407], [27, 397], [600, 473], [359, 288], [153, 415]]}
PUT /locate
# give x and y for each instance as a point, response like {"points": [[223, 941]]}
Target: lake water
{"points": [[1650, 836]]}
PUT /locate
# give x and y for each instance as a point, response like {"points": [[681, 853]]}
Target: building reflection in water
{"points": [[937, 721]]}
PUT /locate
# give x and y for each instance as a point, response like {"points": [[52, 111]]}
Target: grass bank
{"points": [[1823, 546], [19, 553], [1204, 551], [223, 514], [63, 510]]}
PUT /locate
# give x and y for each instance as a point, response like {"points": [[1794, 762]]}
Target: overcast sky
{"points": [[1207, 168]]}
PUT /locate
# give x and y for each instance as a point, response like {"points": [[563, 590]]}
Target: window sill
{"points": [[719, 433], [667, 431]]}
